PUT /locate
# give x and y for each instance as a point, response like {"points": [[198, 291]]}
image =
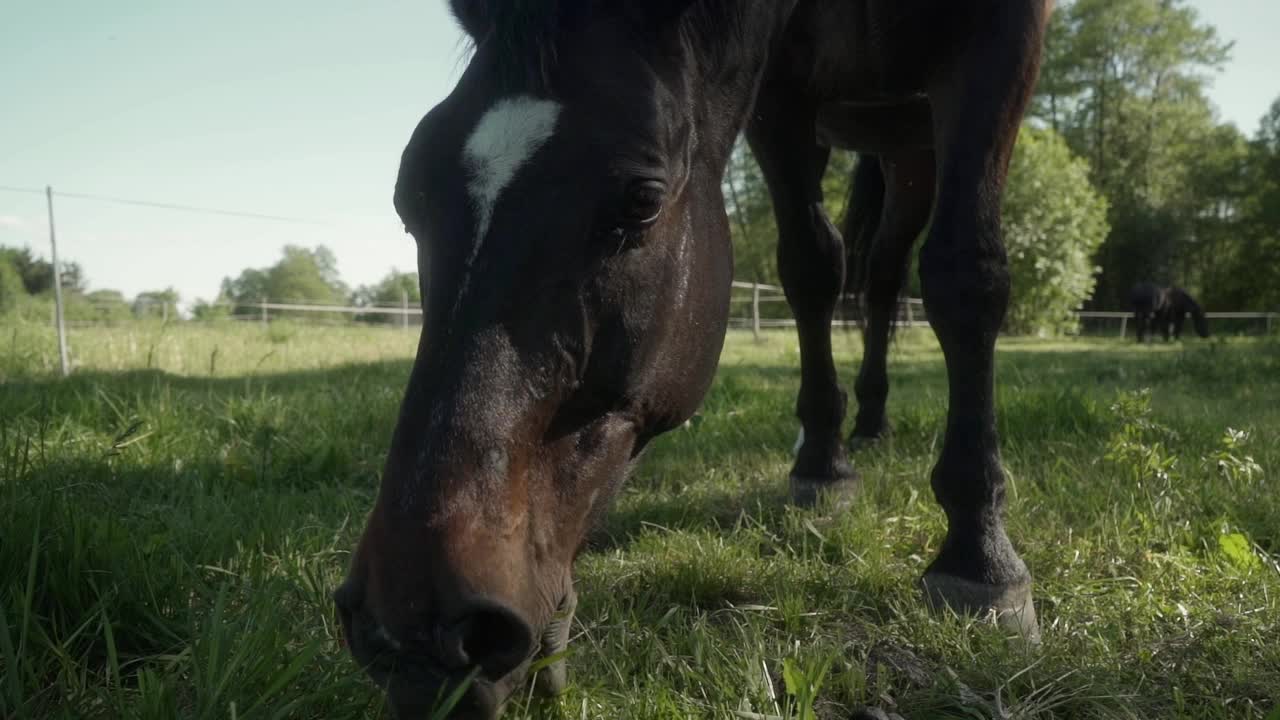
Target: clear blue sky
{"points": [[286, 108]]}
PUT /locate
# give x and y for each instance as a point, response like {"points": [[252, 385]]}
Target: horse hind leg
{"points": [[811, 264], [965, 280], [908, 197]]}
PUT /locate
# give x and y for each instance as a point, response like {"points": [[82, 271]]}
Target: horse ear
{"points": [[475, 16]]}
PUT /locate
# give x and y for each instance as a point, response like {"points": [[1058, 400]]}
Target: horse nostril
{"points": [[496, 638]]}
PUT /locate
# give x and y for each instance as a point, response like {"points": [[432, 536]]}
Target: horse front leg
{"points": [[965, 280], [811, 264], [908, 179]]}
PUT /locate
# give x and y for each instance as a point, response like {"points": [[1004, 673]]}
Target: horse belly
{"points": [[873, 51]]}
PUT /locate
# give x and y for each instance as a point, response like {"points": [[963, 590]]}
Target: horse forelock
{"points": [[526, 34]]}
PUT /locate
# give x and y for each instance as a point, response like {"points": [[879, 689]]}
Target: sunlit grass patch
{"points": [[172, 534]]}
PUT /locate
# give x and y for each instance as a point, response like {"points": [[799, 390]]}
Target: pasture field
{"points": [[176, 514]]}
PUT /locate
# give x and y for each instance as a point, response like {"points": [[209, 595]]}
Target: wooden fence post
{"points": [[262, 303], [755, 311], [1124, 326], [58, 316], [404, 309]]}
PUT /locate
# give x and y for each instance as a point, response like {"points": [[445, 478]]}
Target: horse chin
{"points": [[412, 701], [486, 700]]}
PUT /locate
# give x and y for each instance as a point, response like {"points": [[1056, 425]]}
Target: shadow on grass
{"points": [[313, 428], [131, 496], [337, 422]]}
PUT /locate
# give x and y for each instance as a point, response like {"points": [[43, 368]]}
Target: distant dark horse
{"points": [[576, 266], [1165, 309]]}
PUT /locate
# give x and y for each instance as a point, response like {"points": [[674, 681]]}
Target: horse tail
{"points": [[861, 221], [1197, 313]]}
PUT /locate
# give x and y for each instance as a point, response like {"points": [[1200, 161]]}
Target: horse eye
{"points": [[643, 204]]}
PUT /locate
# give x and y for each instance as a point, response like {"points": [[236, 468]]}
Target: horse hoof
{"points": [[1008, 606], [554, 678], [857, 443], [870, 435], [829, 495]]}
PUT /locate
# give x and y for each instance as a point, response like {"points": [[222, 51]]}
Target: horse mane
{"points": [[527, 32], [719, 22]]}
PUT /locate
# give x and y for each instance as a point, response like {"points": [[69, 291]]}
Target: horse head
{"points": [[573, 245]]}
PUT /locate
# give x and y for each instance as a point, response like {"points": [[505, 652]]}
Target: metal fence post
{"points": [[58, 316], [755, 311]]}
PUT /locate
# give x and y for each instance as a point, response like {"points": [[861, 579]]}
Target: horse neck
{"points": [[1182, 300], [1189, 303]]}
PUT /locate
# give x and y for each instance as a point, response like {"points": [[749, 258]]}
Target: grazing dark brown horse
{"points": [[1165, 309], [576, 265]]}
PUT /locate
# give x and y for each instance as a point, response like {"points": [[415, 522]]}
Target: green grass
{"points": [[175, 518]]}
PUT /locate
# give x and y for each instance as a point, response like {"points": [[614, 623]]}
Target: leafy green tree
{"points": [[388, 292], [101, 306], [306, 276], [12, 291], [1124, 82], [73, 278], [1218, 237], [37, 273], [157, 304], [247, 288], [205, 311], [1250, 277], [751, 221], [1054, 222]]}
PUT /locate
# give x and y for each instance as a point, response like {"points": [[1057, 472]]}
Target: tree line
{"points": [[302, 275], [1193, 201], [1123, 173], [310, 276], [27, 289]]}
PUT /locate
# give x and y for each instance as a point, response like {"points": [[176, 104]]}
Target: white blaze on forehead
{"points": [[508, 135]]}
